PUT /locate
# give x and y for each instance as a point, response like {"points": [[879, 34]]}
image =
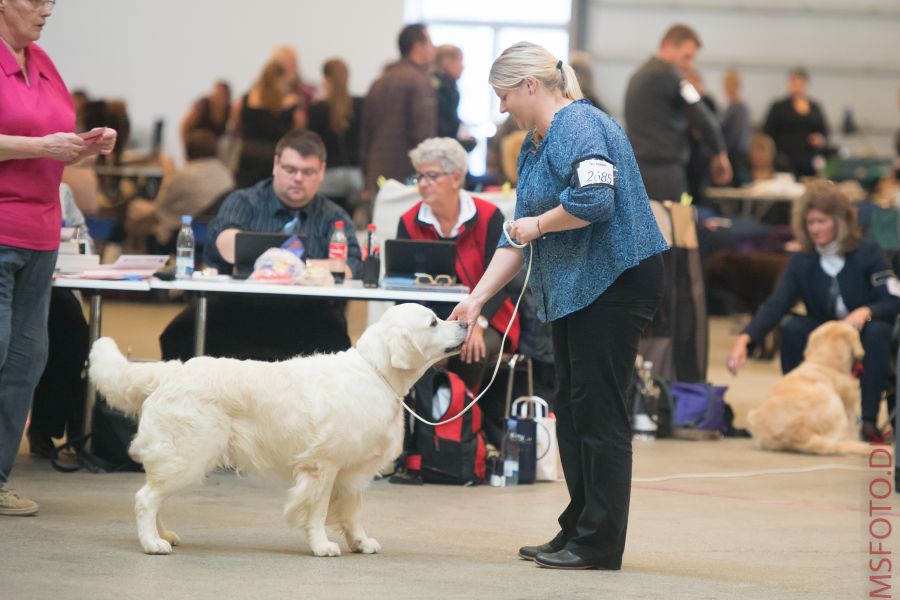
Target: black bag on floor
{"points": [[113, 432], [111, 436], [652, 398], [454, 452]]}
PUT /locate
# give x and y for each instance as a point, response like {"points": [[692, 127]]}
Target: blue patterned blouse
{"points": [[585, 163]]}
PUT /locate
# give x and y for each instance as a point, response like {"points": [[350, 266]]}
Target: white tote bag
{"points": [[548, 467]]}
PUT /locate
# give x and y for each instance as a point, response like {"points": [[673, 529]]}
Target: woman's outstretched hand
{"points": [[738, 356], [467, 311], [859, 317]]}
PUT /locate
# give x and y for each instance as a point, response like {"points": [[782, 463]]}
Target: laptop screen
{"points": [[249, 245], [405, 258]]}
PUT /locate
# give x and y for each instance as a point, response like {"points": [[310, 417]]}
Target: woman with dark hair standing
{"points": [[261, 117], [337, 120], [596, 276], [837, 275], [209, 113], [797, 124]]}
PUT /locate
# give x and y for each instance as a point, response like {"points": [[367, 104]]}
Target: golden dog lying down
{"points": [[323, 424], [811, 408]]}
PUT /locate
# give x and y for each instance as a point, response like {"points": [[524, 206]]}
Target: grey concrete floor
{"points": [[792, 536], [770, 536]]}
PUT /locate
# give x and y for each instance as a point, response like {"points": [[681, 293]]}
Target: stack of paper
{"points": [[128, 266]]}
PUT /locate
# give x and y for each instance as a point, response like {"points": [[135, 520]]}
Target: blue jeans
{"points": [[25, 277]]}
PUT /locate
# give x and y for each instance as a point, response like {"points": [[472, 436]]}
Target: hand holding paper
{"points": [[100, 140]]}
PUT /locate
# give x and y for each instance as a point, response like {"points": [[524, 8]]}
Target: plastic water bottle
{"points": [[644, 426], [495, 468], [510, 449], [184, 249], [337, 252]]}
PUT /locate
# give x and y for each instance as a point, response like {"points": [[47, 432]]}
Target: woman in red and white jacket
{"points": [[447, 212]]}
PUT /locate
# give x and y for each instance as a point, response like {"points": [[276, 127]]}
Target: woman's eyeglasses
{"points": [[429, 177], [429, 279]]}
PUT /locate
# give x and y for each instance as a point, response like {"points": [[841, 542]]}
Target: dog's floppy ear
{"points": [[371, 344], [381, 344], [404, 353]]}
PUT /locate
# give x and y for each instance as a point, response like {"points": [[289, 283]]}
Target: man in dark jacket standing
{"points": [[660, 105], [448, 70], [400, 110]]}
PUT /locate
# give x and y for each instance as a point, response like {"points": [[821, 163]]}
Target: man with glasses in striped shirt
{"points": [[273, 328]]}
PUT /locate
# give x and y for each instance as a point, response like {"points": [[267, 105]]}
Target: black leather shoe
{"points": [[529, 552], [871, 434], [566, 559]]}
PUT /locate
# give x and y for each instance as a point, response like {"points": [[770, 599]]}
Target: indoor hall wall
{"points": [[160, 55], [849, 48]]}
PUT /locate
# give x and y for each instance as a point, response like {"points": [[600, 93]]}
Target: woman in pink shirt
{"points": [[37, 120]]}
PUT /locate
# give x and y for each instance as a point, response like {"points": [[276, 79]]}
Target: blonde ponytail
{"points": [[570, 86], [530, 60]]}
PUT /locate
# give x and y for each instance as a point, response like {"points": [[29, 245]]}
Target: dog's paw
{"points": [[171, 537], [368, 546], [156, 546], [327, 549]]}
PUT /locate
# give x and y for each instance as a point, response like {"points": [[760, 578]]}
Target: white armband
{"points": [[689, 93], [594, 170]]}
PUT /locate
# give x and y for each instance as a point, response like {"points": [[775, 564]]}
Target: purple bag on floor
{"points": [[698, 406]]}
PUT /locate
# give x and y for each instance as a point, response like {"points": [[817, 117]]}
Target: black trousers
{"points": [[251, 327], [58, 404], [595, 350], [876, 341]]}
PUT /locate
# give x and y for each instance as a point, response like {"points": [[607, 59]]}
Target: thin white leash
{"points": [[515, 244]]}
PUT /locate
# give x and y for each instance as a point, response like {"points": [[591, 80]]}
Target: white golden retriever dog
{"points": [[811, 408], [325, 424]]}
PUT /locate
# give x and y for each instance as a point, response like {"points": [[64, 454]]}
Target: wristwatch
{"points": [[482, 322]]}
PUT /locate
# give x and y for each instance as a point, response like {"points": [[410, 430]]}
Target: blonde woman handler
{"points": [[597, 276]]}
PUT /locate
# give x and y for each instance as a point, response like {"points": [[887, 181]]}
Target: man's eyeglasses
{"points": [[292, 171], [51, 4], [429, 279], [429, 177]]}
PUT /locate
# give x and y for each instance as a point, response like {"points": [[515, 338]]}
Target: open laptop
{"points": [[404, 258], [249, 245]]}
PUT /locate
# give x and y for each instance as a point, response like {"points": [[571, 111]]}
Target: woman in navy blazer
{"points": [[837, 275]]}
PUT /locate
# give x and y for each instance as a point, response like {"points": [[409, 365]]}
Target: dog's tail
{"points": [[817, 444], [751, 421], [125, 385]]}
